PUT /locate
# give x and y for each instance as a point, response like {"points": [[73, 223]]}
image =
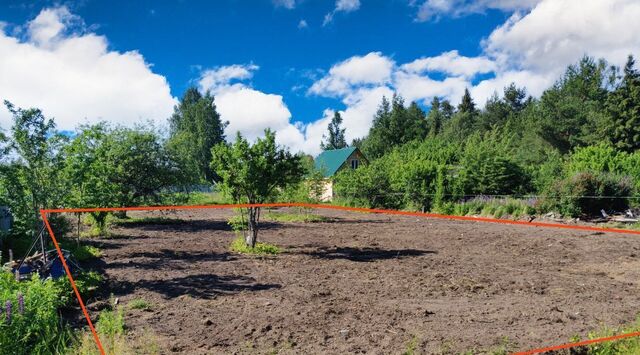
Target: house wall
{"points": [[355, 155], [327, 191]]}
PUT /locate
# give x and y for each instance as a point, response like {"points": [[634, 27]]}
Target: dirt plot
{"points": [[370, 283]]}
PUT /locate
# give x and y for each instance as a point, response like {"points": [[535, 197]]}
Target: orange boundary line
{"points": [[44, 213], [73, 283]]}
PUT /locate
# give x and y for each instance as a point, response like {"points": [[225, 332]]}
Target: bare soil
{"points": [[369, 283]]}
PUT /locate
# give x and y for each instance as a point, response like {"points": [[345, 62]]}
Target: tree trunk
{"points": [[251, 237]]}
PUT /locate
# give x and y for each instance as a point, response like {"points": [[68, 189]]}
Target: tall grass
{"points": [[490, 207], [29, 320]]}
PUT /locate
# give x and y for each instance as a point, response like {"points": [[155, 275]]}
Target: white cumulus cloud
{"points": [[73, 76], [452, 63], [373, 68], [248, 110]]}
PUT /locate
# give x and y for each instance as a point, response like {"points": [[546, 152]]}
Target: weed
{"points": [[239, 246], [629, 345], [140, 304], [411, 346]]}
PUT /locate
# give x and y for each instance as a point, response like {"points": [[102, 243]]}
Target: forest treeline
{"points": [[573, 151]]}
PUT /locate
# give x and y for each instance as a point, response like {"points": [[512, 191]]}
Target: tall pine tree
{"points": [[623, 106], [335, 139]]}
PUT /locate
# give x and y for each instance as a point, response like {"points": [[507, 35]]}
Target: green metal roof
{"points": [[330, 161]]}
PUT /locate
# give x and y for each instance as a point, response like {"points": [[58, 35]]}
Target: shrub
{"points": [[586, 193], [29, 321]]}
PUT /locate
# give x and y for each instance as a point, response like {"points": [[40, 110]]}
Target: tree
{"points": [[336, 139], [514, 97], [571, 113], [464, 121], [255, 173], [466, 104], [623, 106], [394, 125], [195, 128], [36, 148], [435, 117], [118, 167]]}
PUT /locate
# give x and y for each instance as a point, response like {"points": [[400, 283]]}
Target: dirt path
{"points": [[368, 283]]}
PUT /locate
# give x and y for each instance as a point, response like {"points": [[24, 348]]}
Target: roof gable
{"points": [[330, 161]]}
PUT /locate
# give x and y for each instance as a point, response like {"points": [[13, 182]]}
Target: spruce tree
{"points": [[467, 105], [435, 117], [623, 106], [336, 139]]}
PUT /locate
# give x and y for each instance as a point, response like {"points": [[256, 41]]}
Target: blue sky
{"points": [[286, 64]]}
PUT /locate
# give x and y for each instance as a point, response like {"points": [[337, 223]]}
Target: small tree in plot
{"points": [[255, 173]]}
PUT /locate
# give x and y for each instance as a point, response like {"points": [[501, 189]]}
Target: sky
{"points": [[289, 64]]}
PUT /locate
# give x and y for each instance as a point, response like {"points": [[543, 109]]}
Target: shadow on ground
{"points": [[204, 286], [365, 254]]}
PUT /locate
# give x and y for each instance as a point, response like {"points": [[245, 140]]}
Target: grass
{"points": [[299, 217], [239, 246], [140, 304], [111, 329], [411, 346], [629, 345], [147, 220], [81, 252], [490, 207], [206, 198]]}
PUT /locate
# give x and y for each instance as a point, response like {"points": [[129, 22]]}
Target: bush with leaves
{"points": [[29, 320], [586, 193], [486, 168], [255, 174]]}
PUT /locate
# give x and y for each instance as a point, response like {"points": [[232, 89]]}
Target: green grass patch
{"points": [[300, 217], [147, 220], [140, 304], [490, 207], [239, 246], [629, 345], [81, 252], [207, 198]]}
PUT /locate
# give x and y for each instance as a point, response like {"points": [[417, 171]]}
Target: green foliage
{"points": [[335, 139], [492, 207], [140, 304], [206, 198], [586, 193], [108, 167], [394, 125], [487, 168], [572, 111], [32, 326], [301, 216], [81, 252], [196, 128], [138, 221], [30, 175], [629, 345], [309, 189], [255, 173], [408, 176], [623, 106], [239, 246]]}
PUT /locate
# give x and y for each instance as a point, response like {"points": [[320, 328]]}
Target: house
{"points": [[330, 162]]}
